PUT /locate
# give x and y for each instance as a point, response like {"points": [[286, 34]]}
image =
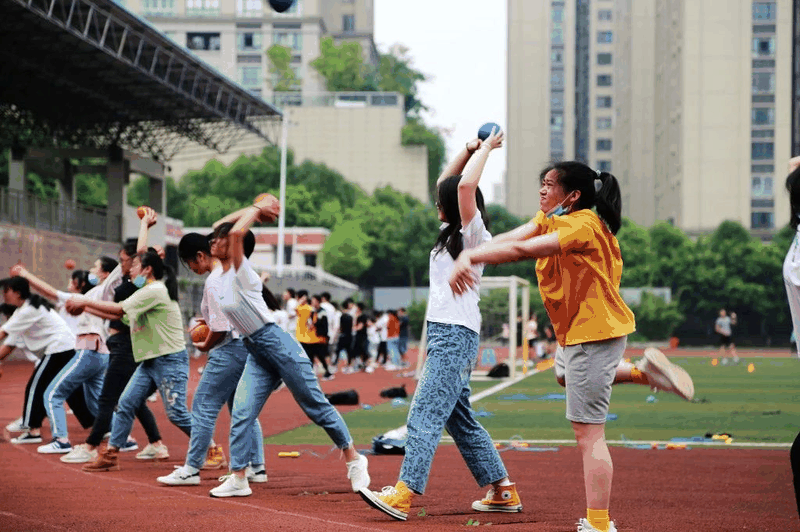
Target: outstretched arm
{"points": [[463, 278], [37, 284], [467, 205], [104, 309]]}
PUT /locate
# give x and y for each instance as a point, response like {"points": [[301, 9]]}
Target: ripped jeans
{"points": [[170, 373]]}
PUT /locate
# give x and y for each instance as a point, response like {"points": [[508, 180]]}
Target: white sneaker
{"points": [[153, 452], [370, 369], [54, 447], [585, 526], [80, 454], [153, 398], [27, 437], [16, 426], [391, 367], [180, 477], [358, 474], [232, 487], [664, 375], [257, 477]]}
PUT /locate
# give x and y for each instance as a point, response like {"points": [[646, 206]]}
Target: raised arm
{"points": [[467, 205], [456, 166], [264, 210], [148, 220], [37, 284], [493, 252]]}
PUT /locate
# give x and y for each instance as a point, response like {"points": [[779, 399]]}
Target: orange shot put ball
{"points": [[200, 332], [69, 264], [140, 212]]}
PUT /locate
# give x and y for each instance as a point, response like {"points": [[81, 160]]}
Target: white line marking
{"points": [[763, 445], [206, 498], [37, 521]]}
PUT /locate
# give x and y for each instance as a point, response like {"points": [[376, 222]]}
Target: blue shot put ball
{"points": [[281, 5], [486, 130]]}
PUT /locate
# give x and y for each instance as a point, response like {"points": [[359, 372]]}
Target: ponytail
{"points": [[598, 190], [161, 271]]}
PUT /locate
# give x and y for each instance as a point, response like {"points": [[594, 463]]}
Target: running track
{"points": [[698, 490]]}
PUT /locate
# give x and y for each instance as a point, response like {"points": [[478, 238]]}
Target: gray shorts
{"points": [[589, 370]]}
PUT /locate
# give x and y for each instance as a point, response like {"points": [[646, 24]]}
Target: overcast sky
{"points": [[461, 46]]}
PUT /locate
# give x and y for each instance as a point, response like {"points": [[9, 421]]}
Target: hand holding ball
{"points": [[268, 206], [200, 332], [16, 270], [143, 211], [486, 130]]}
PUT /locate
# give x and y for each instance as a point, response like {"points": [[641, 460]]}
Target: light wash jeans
{"points": [[87, 368], [216, 387], [393, 347], [170, 373], [441, 401], [276, 355]]}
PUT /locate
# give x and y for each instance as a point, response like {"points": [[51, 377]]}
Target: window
{"points": [[762, 220], [763, 116], [761, 187], [604, 102], [557, 122], [556, 100], [603, 144], [604, 166], [249, 8], [287, 254], [557, 142], [250, 76], [158, 8], [348, 23], [764, 47], [202, 8], [557, 79], [557, 34], [604, 37], [558, 14], [604, 80], [604, 123], [557, 57], [292, 39], [764, 10], [605, 14], [763, 83], [202, 41], [603, 59], [762, 150], [249, 41], [311, 259]]}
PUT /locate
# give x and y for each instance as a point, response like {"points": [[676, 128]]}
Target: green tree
{"points": [[395, 74], [417, 133], [346, 251], [280, 66], [637, 255], [343, 67], [655, 318]]}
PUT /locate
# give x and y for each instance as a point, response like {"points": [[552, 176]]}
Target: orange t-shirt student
{"points": [[393, 327], [590, 264], [306, 334]]}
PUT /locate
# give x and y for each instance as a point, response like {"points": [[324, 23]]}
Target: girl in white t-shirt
{"points": [[441, 400]]}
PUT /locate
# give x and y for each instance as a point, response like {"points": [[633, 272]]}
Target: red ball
{"points": [[69, 264], [140, 212]]}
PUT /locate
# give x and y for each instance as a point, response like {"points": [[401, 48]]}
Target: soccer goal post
{"points": [[495, 345]]}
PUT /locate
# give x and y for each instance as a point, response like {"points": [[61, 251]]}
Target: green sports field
{"points": [[762, 406]]}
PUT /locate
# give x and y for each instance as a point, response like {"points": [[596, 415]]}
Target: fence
{"points": [[23, 208]]}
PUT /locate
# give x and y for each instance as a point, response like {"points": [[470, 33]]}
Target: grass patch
{"points": [[763, 406]]}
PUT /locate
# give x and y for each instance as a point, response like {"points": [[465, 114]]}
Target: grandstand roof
{"points": [[88, 73]]}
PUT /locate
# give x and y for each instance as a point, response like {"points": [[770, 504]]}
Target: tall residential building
{"points": [[560, 90], [706, 139], [231, 35]]}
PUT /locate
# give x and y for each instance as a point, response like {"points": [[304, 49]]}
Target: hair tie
{"points": [[598, 184], [599, 172]]}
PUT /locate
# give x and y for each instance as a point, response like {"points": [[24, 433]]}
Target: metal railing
{"points": [[23, 208], [336, 99], [309, 273]]}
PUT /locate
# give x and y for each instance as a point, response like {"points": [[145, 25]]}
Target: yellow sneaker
{"points": [[502, 499], [392, 500], [215, 458]]}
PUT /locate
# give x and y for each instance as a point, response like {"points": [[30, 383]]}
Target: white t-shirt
{"points": [[333, 325], [87, 323], [281, 318], [40, 330], [791, 280], [373, 336], [209, 307], [240, 299], [291, 312], [383, 326], [443, 305]]}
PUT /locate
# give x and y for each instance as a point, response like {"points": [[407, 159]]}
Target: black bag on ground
{"points": [[347, 397], [500, 370], [397, 391]]}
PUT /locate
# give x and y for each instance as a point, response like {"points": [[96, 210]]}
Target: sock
{"points": [[637, 377], [191, 470], [212, 444], [598, 519], [506, 482]]}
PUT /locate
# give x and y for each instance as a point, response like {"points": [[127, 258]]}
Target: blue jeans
{"points": [[393, 346], [217, 386], [169, 373], [441, 401], [402, 345], [86, 368], [276, 355]]}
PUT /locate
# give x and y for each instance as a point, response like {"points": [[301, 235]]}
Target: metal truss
{"points": [[120, 82]]}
